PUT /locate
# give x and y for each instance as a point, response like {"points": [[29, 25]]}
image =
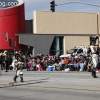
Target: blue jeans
{"points": [[82, 66], [76, 65], [70, 67]]}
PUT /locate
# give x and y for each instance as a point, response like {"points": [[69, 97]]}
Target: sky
{"points": [[44, 5]]}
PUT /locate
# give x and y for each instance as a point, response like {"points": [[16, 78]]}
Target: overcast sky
{"points": [[31, 5]]}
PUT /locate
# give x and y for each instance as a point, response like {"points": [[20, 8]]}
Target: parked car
{"points": [[79, 50]]}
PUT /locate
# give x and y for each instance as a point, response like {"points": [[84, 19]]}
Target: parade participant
{"points": [[94, 50], [19, 67], [2, 60], [5, 57]]}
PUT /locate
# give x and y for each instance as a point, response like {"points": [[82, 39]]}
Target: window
{"points": [[80, 51], [72, 51], [57, 46]]}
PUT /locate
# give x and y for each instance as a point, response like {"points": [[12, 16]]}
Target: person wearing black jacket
{"points": [[5, 59]]}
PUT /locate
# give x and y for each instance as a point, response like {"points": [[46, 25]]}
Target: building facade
{"points": [[58, 32], [49, 32], [12, 21]]}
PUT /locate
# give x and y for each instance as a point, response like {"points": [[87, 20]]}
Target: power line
{"points": [[78, 2]]}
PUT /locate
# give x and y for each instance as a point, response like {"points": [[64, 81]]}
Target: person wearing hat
{"points": [[94, 51], [19, 68], [6, 60]]}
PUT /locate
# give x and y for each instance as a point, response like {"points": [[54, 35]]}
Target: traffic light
{"points": [[10, 42], [52, 6]]}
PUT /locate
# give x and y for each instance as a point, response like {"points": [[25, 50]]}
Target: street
{"points": [[44, 85]]}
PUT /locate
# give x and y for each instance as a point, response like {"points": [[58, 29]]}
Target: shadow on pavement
{"points": [[23, 84], [37, 80]]}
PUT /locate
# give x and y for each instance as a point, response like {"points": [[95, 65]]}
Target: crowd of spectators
{"points": [[73, 63]]}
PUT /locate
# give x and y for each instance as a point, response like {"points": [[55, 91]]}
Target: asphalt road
{"points": [[50, 86]]}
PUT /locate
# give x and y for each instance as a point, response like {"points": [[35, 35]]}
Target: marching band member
{"points": [[94, 50], [6, 60], [19, 67]]}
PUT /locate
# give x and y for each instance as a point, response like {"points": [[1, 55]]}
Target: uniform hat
{"points": [[93, 39]]}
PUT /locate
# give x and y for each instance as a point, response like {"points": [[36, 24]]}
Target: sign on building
{"points": [[6, 36]]}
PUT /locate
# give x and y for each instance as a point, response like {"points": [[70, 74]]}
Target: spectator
{"points": [[76, 64], [71, 63], [66, 61], [82, 63]]}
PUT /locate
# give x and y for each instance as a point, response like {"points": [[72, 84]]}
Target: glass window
{"points": [[57, 46], [72, 50]]}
